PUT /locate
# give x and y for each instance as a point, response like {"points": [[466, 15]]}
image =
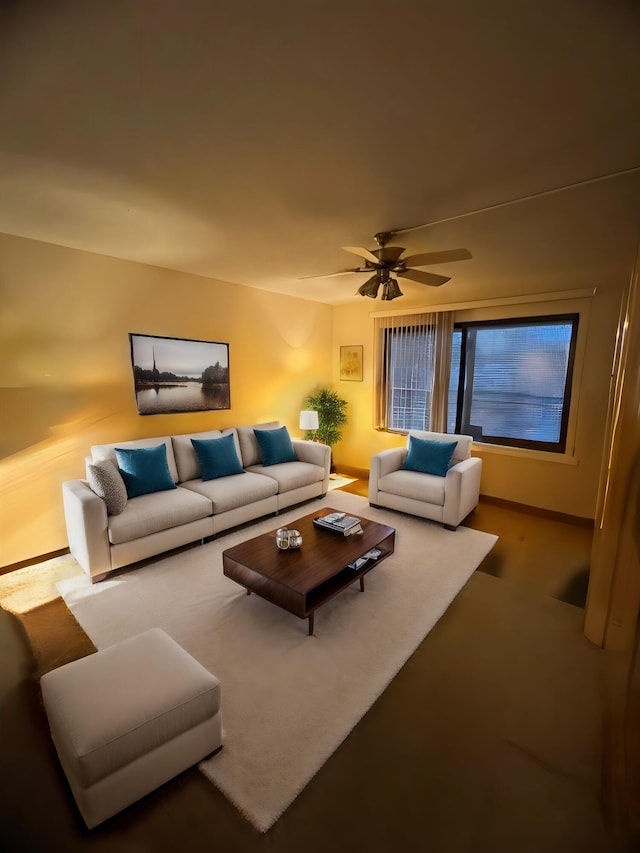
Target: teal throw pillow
{"points": [[217, 457], [144, 469], [275, 446], [429, 457]]}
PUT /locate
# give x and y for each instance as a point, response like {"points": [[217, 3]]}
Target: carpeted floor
{"points": [[488, 740], [280, 729]]}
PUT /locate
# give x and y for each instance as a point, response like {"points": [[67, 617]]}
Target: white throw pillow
{"points": [[106, 481]]}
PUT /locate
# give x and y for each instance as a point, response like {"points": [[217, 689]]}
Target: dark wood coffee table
{"points": [[301, 580]]}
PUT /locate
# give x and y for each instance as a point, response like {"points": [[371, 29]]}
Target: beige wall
{"points": [[66, 379]]}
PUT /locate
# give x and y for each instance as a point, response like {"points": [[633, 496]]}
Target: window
{"points": [[510, 381], [505, 382], [413, 358], [410, 378]]}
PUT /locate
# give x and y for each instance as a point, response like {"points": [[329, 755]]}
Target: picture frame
{"points": [[351, 363], [176, 375]]}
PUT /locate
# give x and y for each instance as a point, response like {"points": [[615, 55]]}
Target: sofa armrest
{"points": [[87, 527], [314, 453], [462, 490], [384, 463]]}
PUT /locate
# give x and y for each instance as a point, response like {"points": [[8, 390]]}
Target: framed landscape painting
{"points": [[179, 375], [351, 363]]}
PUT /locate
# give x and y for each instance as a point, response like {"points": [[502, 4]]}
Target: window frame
{"points": [[464, 393]]}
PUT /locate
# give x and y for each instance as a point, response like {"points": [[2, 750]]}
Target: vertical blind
{"points": [[411, 371]]}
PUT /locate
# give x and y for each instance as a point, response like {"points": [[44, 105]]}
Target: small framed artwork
{"points": [[351, 363], [179, 375]]}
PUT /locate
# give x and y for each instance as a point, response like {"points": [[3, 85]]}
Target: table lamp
{"points": [[309, 422]]}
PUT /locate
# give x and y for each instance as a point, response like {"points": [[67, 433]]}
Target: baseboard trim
{"points": [[539, 511], [33, 561], [349, 471]]}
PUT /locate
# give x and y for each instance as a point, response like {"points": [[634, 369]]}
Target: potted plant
{"points": [[331, 415]]}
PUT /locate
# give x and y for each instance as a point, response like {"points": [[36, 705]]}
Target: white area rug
{"points": [[288, 700]]}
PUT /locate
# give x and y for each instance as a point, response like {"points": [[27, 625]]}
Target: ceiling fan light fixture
{"points": [[391, 290], [369, 288]]}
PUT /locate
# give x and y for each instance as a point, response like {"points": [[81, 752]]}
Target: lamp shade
{"points": [[390, 290], [308, 420]]}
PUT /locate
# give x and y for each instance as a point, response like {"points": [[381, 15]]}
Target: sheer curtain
{"points": [[425, 343]]}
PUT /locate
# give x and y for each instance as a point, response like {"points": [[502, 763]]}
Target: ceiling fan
{"points": [[385, 260]]}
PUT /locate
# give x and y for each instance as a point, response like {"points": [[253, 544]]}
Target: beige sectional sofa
{"points": [[105, 534]]}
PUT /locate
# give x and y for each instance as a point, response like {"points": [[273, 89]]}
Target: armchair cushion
{"points": [[416, 485], [429, 457]]}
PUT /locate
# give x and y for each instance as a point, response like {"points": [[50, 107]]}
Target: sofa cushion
{"points": [[144, 469], [275, 446], [249, 450], [107, 451], [106, 481], [157, 511], [185, 455], [291, 475], [227, 493], [429, 457], [426, 488], [217, 457]]}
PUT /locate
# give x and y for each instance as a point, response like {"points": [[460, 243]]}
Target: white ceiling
{"points": [[247, 140]]}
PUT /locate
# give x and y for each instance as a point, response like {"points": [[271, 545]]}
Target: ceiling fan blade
{"points": [[332, 274], [423, 277], [363, 253], [369, 288], [428, 258]]}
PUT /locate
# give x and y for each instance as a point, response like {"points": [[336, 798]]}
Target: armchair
{"points": [[447, 499]]}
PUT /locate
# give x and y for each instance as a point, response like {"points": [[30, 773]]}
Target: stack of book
{"points": [[339, 522]]}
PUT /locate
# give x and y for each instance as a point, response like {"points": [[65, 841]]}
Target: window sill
{"points": [[524, 453]]}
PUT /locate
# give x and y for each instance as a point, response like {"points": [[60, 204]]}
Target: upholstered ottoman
{"points": [[129, 718]]}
